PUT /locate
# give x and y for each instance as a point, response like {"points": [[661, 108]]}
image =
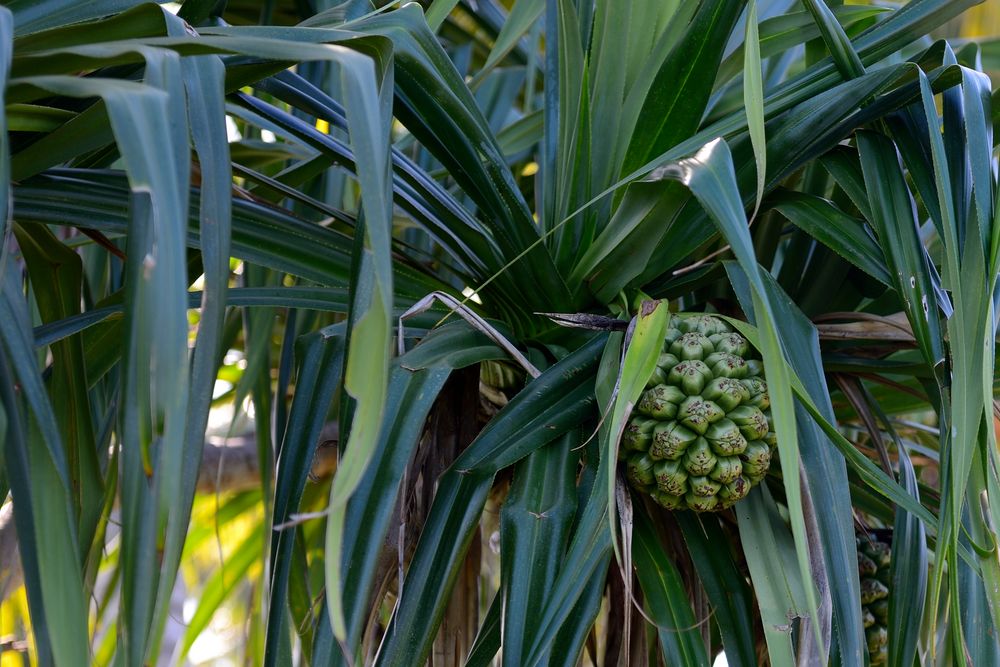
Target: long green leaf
{"points": [[770, 555], [17, 469], [476, 161], [203, 79], [651, 211], [725, 586], [908, 573], [549, 406], [487, 643], [588, 556], [369, 512], [844, 56], [753, 99], [980, 521], [882, 40], [331, 299], [569, 643], [438, 12], [320, 363], [680, 91], [779, 34], [893, 213], [825, 474], [666, 598], [522, 15], [829, 225], [969, 339], [54, 553], [867, 470], [368, 91], [261, 234], [566, 139], [153, 142], [638, 362], [629, 45], [31, 16], [422, 197], [157, 165], [56, 279], [534, 528]]}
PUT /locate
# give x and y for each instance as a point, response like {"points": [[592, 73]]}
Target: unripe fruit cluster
{"points": [[700, 436], [874, 559]]}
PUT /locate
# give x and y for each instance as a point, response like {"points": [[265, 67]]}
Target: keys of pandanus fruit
{"points": [[882, 555], [638, 434], [673, 333], [725, 438], [640, 470], [757, 388], [701, 503], [699, 459], [703, 486], [661, 402], [691, 376], [872, 589], [877, 638], [727, 469], [670, 439], [731, 343], [727, 365], [659, 375], [671, 477], [692, 345], [727, 393], [700, 435], [706, 324], [697, 414], [734, 491], [667, 500], [880, 610], [756, 458], [751, 422]]}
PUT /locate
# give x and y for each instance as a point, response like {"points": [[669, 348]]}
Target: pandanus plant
{"points": [[480, 238]]}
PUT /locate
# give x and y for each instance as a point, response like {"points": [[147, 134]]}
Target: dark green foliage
{"points": [[816, 176]]}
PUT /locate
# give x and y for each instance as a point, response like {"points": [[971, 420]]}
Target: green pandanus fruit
{"points": [[874, 558], [700, 436]]}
